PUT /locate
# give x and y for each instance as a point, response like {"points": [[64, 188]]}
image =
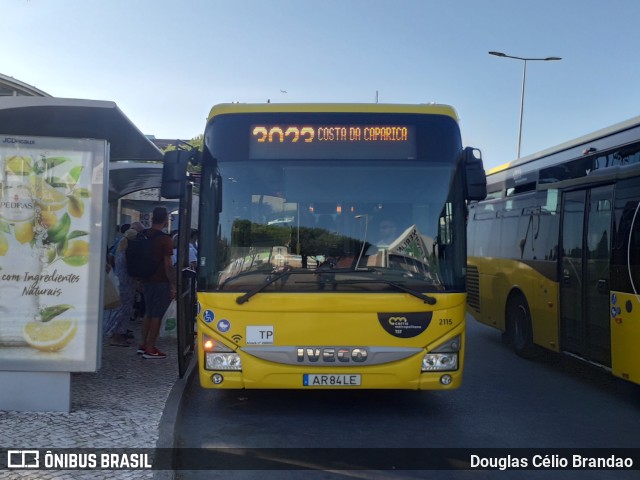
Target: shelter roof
{"points": [[77, 118], [10, 86]]}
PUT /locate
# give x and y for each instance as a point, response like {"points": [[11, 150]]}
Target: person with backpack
{"points": [[111, 257], [115, 324], [158, 280]]}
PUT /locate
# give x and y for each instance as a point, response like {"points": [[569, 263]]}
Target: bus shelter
{"points": [[133, 163]]}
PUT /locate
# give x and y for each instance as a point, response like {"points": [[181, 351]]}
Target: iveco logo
{"points": [[332, 354]]}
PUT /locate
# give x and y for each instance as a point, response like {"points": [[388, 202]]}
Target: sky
{"points": [[166, 63]]}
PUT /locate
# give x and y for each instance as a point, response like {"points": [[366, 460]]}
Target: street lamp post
{"points": [[524, 77]]}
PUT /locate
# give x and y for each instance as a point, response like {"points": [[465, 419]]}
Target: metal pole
{"points": [[524, 77]]}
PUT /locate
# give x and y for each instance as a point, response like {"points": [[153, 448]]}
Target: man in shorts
{"points": [[160, 287]]}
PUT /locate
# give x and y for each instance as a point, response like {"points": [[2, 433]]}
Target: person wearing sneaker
{"points": [[160, 287], [127, 289]]}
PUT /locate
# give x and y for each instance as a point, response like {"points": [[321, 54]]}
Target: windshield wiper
{"points": [[272, 279], [425, 298]]}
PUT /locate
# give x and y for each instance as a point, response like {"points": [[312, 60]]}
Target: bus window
{"points": [[551, 204]]}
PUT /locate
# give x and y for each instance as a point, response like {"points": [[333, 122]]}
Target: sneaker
{"points": [[153, 353], [141, 349]]}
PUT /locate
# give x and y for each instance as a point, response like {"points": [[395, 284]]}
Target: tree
{"points": [[196, 142]]}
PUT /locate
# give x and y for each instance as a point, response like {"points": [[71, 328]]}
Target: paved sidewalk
{"points": [[120, 406]]}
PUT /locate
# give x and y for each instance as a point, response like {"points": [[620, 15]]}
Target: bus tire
{"points": [[519, 327]]}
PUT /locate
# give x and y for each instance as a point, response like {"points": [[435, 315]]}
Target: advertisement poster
{"points": [[51, 252]]}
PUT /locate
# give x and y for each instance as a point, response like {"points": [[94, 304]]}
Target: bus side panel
{"points": [[544, 312], [625, 336], [492, 290], [498, 278], [541, 295]]}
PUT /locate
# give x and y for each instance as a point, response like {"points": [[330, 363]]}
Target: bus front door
{"points": [[584, 277]]}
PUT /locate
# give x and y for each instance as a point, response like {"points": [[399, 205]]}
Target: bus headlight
{"points": [[443, 358], [434, 362], [217, 356], [222, 361]]}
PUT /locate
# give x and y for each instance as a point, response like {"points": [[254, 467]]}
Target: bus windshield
{"points": [[341, 226]]}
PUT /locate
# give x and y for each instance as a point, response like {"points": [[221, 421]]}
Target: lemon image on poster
{"points": [[50, 255], [50, 336], [24, 231], [47, 197], [17, 212], [18, 165]]}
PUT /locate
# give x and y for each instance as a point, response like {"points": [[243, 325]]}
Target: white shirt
{"points": [[193, 255]]}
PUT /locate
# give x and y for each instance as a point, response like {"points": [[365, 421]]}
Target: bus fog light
{"points": [[434, 362], [446, 379], [217, 379], [222, 361]]}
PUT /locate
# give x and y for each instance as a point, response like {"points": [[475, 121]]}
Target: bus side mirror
{"points": [[174, 172], [475, 178]]}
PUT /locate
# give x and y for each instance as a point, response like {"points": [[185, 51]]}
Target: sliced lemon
{"points": [[50, 336], [47, 197], [19, 165]]}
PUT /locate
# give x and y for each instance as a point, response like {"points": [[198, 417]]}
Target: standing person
{"points": [[193, 249], [137, 310], [111, 302], [111, 258], [160, 287], [138, 227], [137, 288], [174, 241], [116, 326]]}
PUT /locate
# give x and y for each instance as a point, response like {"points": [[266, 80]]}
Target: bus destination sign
{"points": [[395, 142]]}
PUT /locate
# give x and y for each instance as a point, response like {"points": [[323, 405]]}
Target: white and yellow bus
{"points": [[554, 250], [294, 292]]}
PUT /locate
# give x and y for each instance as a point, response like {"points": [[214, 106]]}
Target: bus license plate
{"points": [[329, 380]]}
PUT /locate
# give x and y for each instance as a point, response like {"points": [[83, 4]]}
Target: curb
{"points": [[170, 415]]}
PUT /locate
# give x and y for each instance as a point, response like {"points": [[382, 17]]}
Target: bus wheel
{"points": [[519, 324]]}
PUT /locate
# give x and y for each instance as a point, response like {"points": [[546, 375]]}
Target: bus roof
{"points": [[430, 108], [530, 160]]}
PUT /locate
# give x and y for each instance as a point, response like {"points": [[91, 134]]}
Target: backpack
{"points": [[140, 261]]}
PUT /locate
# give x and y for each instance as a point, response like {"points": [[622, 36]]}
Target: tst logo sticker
{"points": [[405, 324], [260, 335]]}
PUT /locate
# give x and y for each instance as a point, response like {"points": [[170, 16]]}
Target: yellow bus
{"points": [[554, 250], [294, 289]]}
